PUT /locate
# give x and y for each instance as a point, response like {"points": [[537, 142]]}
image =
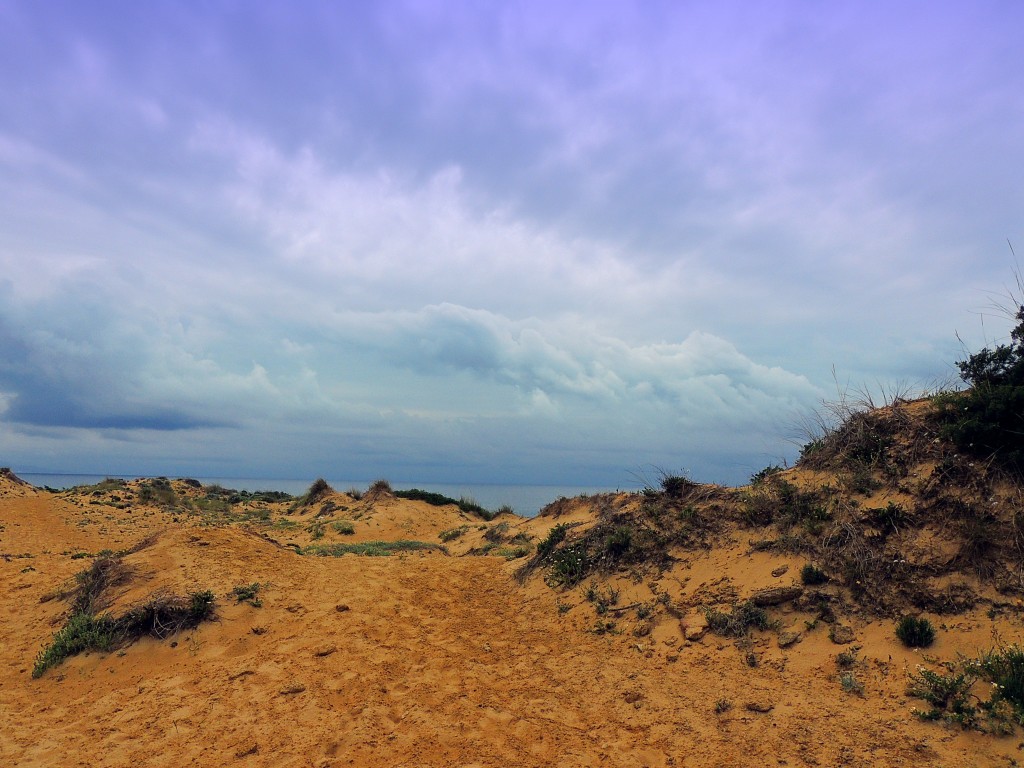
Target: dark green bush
{"points": [[988, 419], [619, 541], [812, 576], [568, 565], [555, 537], [676, 486], [763, 474], [915, 632]]}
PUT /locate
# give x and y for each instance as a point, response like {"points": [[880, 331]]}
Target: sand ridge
{"points": [[431, 658]]}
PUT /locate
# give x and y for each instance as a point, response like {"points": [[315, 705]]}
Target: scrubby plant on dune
{"points": [[317, 491], [987, 420], [915, 632], [440, 500], [86, 629]]}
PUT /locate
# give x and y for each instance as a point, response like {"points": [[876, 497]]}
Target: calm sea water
{"points": [[526, 500]]}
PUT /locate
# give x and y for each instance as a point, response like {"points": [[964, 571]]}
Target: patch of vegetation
{"points": [[440, 500], [848, 659], [850, 684], [948, 693], [763, 474], [812, 575], [512, 553], [85, 630], [248, 593], [452, 533], [159, 493], [82, 632], [887, 519], [988, 419], [107, 485], [164, 615], [739, 621], [775, 500], [380, 487], [619, 541], [317, 492], [722, 706], [914, 632], [496, 533], [602, 599], [676, 486], [315, 530], [555, 537], [1004, 668], [568, 565], [344, 527], [434, 499], [371, 548]]}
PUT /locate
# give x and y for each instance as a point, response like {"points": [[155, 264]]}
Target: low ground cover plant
{"points": [[915, 632]]}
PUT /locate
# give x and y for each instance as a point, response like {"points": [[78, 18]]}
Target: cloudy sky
{"points": [[537, 242]]}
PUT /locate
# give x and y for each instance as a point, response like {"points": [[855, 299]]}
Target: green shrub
{"points": [[555, 537], [344, 527], [1005, 669], [848, 680], [82, 632], [988, 419], [763, 474], [948, 694], [434, 499], [452, 533], [568, 565], [619, 541], [513, 553], [317, 491], [248, 593], [496, 533], [676, 486], [915, 632], [889, 518]]}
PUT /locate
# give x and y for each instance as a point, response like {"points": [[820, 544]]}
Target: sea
{"points": [[526, 500]]}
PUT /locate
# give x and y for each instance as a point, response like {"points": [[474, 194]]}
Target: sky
{"points": [[490, 242]]}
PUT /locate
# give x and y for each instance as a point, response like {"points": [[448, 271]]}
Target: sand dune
{"points": [[437, 658]]}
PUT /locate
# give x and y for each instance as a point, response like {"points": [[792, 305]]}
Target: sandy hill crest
{"points": [[683, 625]]}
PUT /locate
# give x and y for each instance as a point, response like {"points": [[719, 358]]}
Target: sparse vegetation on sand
{"points": [[440, 500], [372, 548], [739, 621], [317, 492], [87, 629]]}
